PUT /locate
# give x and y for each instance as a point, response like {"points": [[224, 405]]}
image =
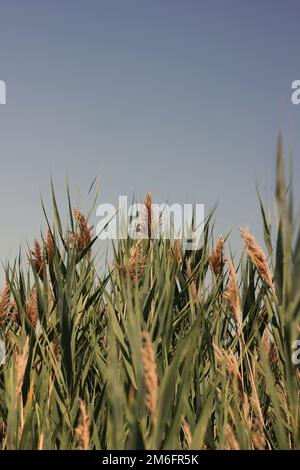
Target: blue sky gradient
{"points": [[182, 98]]}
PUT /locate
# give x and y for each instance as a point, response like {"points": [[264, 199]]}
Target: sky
{"points": [[181, 98]]}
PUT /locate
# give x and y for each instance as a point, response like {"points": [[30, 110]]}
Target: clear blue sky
{"points": [[182, 98]]}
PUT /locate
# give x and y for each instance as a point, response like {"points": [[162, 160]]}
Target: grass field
{"points": [[168, 349]]}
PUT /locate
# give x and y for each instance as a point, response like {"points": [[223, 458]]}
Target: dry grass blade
{"points": [[21, 363], [186, 431], [230, 437]]}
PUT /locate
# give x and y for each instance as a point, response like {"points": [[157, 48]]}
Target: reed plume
{"points": [[150, 373], [216, 257], [83, 429], [177, 248], [49, 245], [257, 257], [32, 308], [38, 258], [8, 306], [83, 238], [175, 252], [4, 303], [232, 294], [136, 262]]}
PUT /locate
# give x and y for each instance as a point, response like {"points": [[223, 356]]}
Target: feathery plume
{"points": [[150, 371], [32, 308], [8, 306], [136, 262], [49, 245], [216, 257], [4, 303], [257, 257], [82, 239], [83, 429], [37, 258], [177, 251], [232, 294]]}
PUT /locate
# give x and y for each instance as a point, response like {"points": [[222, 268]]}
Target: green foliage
{"points": [[220, 385]]}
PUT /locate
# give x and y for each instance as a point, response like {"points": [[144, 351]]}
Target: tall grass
{"points": [[168, 349]]}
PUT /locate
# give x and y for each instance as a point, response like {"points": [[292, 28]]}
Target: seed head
{"points": [[232, 294], [83, 429], [216, 257], [32, 312], [257, 257], [150, 372]]}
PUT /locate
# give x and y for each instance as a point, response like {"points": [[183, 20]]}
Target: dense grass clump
{"points": [[166, 349]]}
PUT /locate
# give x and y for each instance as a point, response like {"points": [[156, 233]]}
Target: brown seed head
{"points": [[232, 294], [37, 258], [83, 238], [177, 251], [136, 262], [216, 257], [83, 429], [32, 308], [192, 285], [257, 257], [150, 372], [49, 245], [4, 302]]}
